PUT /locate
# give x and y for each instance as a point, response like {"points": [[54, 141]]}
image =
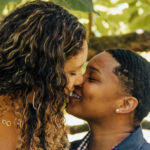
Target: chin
{"points": [[75, 112], [69, 110], [72, 110]]}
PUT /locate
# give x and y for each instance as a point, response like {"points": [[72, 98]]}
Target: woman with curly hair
{"points": [[114, 98], [42, 50]]}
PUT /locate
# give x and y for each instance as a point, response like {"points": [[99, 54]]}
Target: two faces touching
{"points": [[101, 92], [73, 67], [113, 98], [98, 92]]}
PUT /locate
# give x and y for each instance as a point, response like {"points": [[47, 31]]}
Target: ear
{"points": [[127, 104]]}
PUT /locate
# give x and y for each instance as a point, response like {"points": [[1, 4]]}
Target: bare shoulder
{"points": [[8, 134]]}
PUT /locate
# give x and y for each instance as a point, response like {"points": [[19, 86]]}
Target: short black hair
{"points": [[137, 71]]}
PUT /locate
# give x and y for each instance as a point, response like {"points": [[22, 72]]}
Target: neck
{"points": [[107, 135]]}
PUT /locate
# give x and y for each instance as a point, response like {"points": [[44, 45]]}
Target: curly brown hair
{"points": [[35, 41]]}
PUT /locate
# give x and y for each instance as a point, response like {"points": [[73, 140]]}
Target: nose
{"points": [[79, 80], [84, 78]]}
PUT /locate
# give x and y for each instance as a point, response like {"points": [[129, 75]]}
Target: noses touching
{"points": [[78, 87], [78, 83]]}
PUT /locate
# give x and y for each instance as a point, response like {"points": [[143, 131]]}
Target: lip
{"points": [[76, 95], [73, 101], [78, 92]]}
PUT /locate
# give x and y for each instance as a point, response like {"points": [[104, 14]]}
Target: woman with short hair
{"points": [[114, 98]]}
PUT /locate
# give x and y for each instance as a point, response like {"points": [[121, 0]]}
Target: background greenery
{"points": [[116, 16]]}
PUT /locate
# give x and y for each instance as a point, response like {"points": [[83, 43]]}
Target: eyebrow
{"points": [[93, 68], [79, 66]]}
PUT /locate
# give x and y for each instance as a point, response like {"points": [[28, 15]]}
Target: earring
{"points": [[117, 110], [33, 101]]}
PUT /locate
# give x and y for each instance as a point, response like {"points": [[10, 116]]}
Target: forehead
{"points": [[79, 59], [104, 62]]}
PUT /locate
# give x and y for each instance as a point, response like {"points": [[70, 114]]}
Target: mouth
{"points": [[75, 95]]}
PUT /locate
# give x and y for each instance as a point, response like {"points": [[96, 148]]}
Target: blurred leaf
{"points": [[141, 22], [81, 5], [133, 15], [4, 2], [132, 3], [108, 3], [116, 18], [146, 1]]}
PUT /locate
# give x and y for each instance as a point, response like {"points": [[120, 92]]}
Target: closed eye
{"points": [[91, 79], [73, 74]]}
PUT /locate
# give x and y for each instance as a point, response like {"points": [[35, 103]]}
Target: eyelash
{"points": [[73, 74], [91, 79]]}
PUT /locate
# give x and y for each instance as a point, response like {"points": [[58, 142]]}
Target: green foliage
{"points": [[117, 16], [80, 5], [131, 15], [4, 2], [142, 22]]}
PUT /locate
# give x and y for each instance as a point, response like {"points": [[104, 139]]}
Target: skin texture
{"points": [[8, 135], [102, 94], [97, 80], [73, 70]]}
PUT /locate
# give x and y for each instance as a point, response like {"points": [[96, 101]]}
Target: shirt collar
{"points": [[84, 143], [133, 141]]}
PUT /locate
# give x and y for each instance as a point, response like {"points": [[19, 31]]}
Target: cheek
{"points": [[91, 91], [95, 96]]}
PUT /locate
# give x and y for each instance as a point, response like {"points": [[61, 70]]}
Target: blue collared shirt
{"points": [[135, 141]]}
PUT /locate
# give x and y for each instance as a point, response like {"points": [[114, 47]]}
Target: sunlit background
{"points": [[71, 121]]}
